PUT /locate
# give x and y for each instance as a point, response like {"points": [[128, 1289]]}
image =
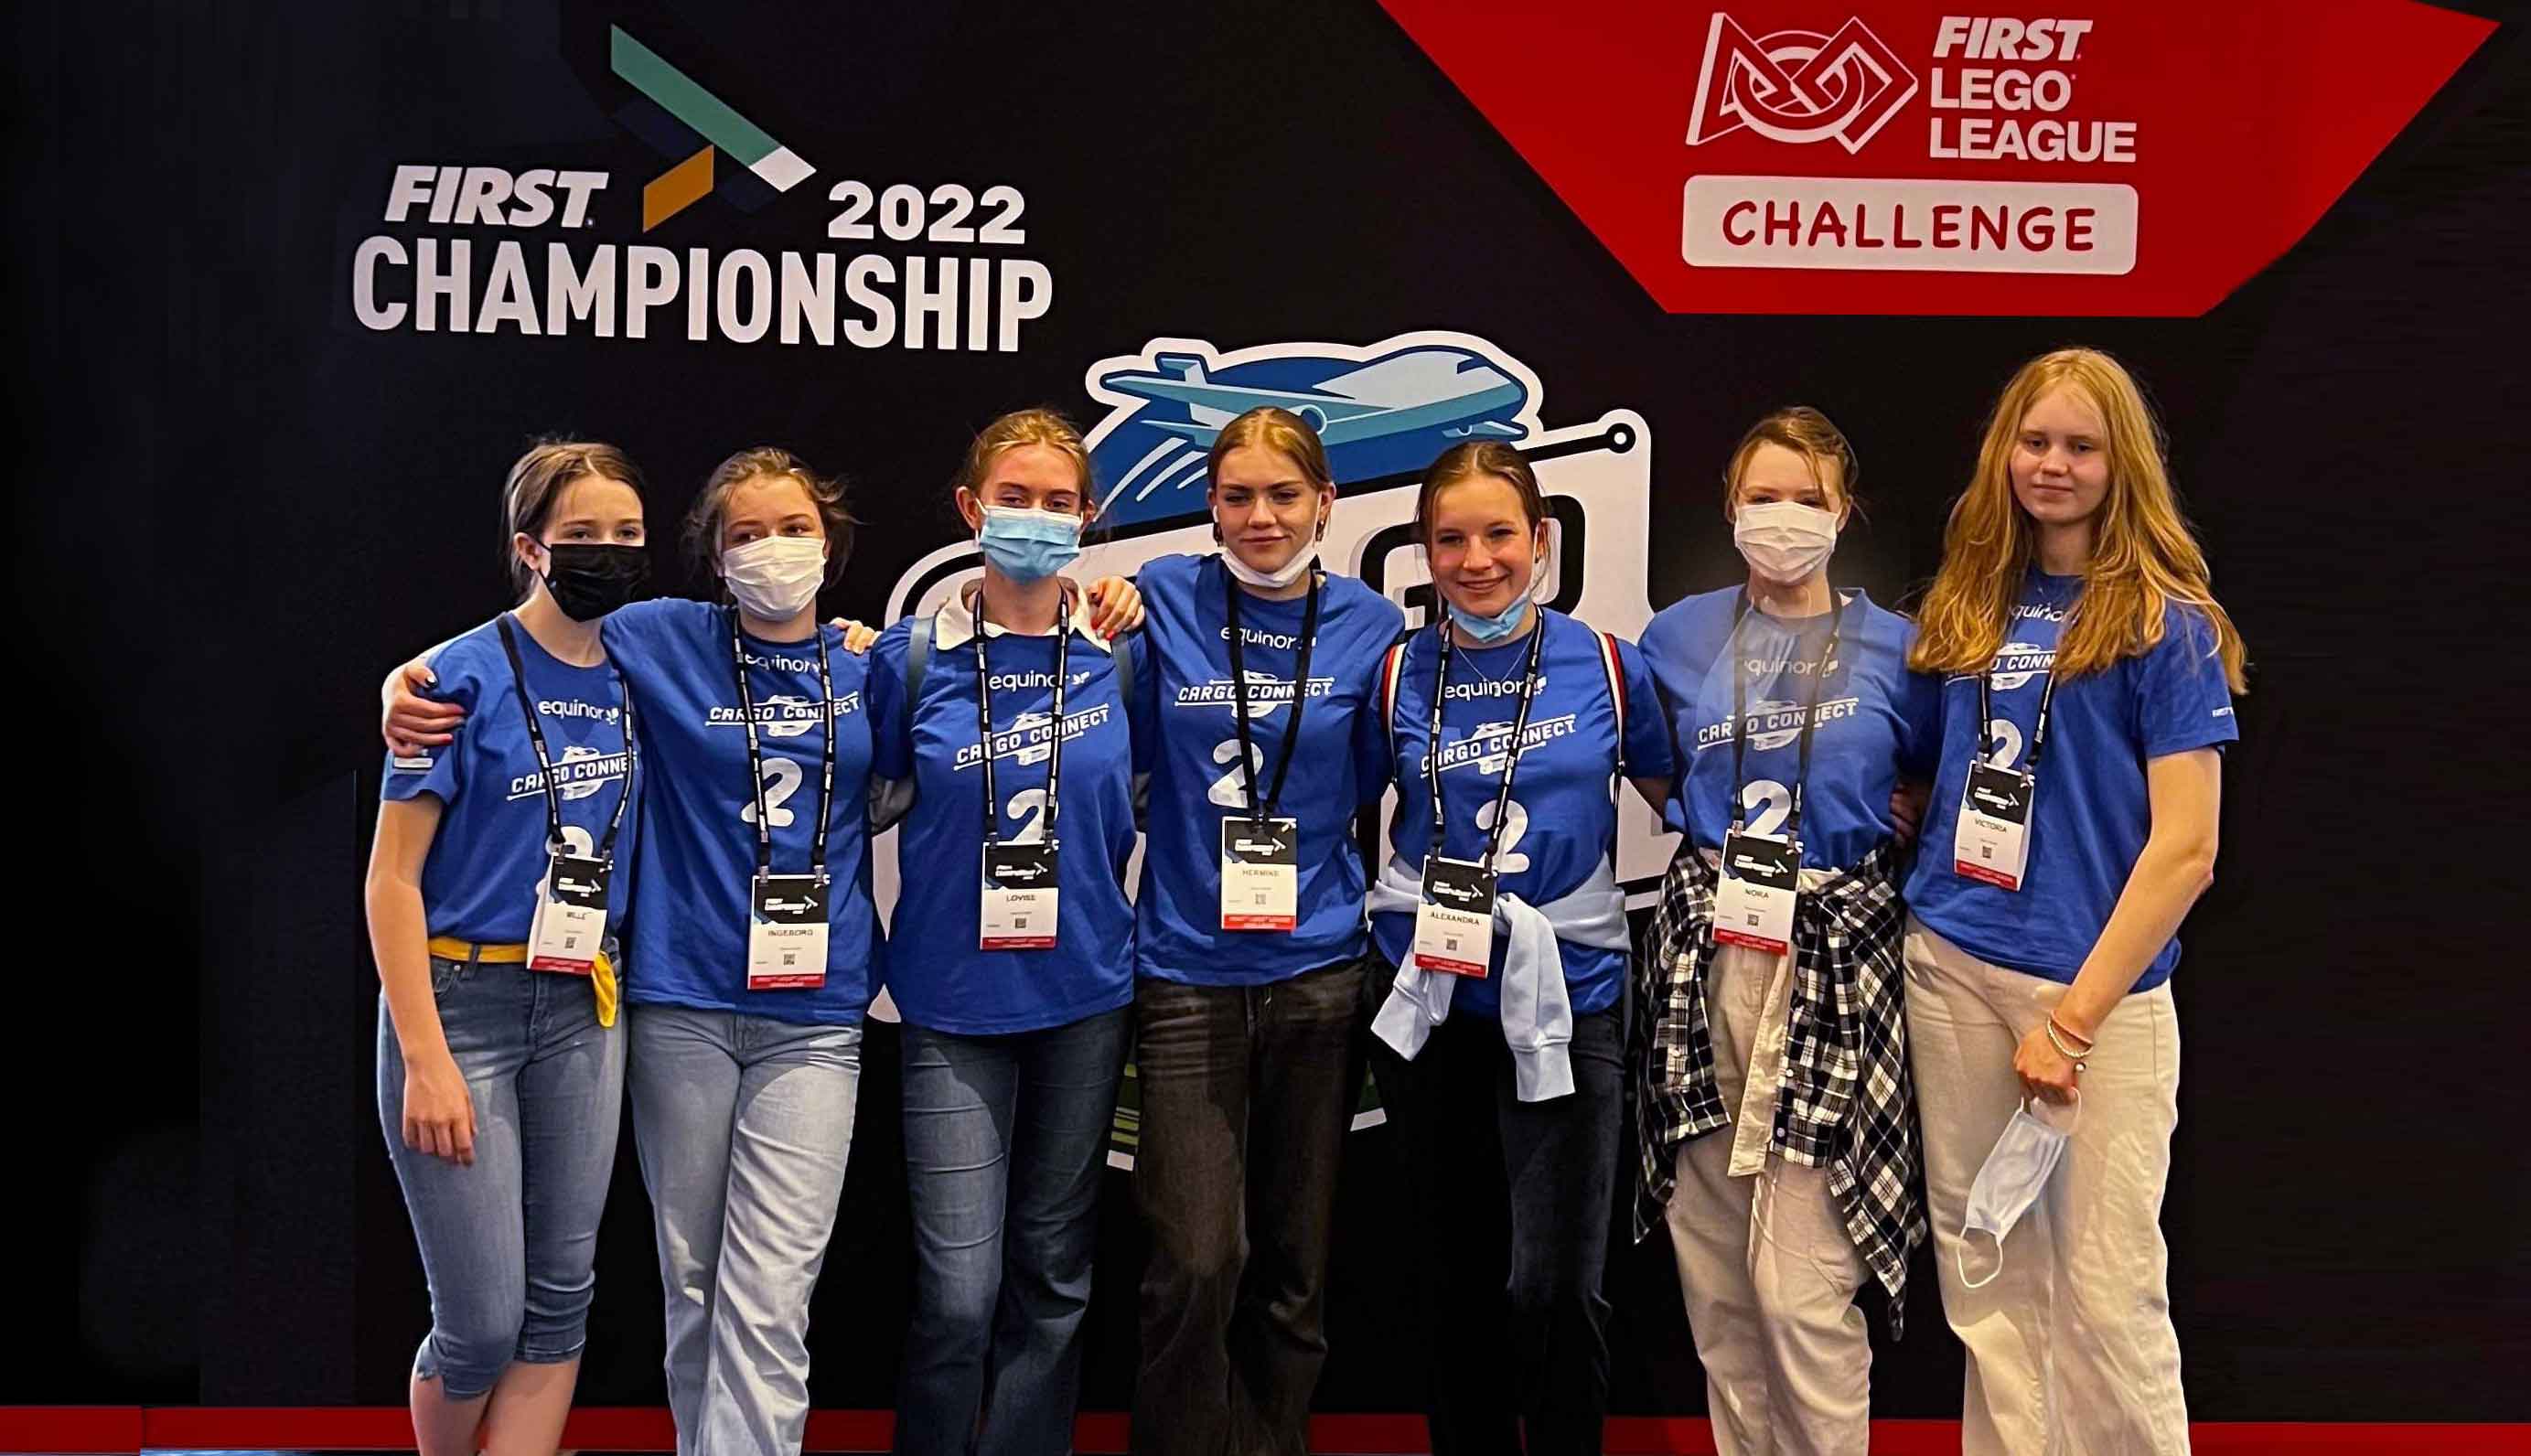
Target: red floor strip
{"points": [[81, 1429], [134, 1430]]}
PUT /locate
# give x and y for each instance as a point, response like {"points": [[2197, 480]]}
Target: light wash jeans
{"points": [[1005, 1137], [744, 1124], [507, 1243]]}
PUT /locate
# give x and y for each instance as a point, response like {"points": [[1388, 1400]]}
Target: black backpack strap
{"points": [[1124, 677], [918, 662]]}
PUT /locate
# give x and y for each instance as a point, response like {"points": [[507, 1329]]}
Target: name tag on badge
{"points": [[1260, 874], [570, 925], [1454, 927], [1993, 843], [786, 933], [1753, 903], [1020, 891]]}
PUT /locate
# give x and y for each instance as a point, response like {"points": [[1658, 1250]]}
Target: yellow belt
{"points": [[602, 973]]}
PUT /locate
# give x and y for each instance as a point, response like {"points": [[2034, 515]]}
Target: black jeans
{"points": [[1509, 1232], [1247, 1093]]}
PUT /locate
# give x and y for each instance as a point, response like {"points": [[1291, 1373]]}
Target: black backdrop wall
{"points": [[237, 504]]}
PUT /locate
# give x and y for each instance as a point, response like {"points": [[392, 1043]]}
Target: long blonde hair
{"points": [[2144, 556]]}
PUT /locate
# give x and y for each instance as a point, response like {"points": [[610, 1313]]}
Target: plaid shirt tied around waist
{"points": [[1848, 1103]]}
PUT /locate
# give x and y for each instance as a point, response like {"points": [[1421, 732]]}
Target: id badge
{"points": [[1260, 874], [786, 935], [1992, 844], [1454, 927], [1753, 902], [1020, 891], [570, 925]]}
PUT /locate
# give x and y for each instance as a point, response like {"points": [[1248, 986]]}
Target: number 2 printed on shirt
{"points": [[1768, 805], [1028, 805], [1508, 859], [782, 780], [1231, 791], [2008, 742]]}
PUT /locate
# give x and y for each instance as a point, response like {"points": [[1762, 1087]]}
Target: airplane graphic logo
{"points": [[1380, 412], [703, 115], [1797, 85]]}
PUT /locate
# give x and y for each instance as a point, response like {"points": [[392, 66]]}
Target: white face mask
{"points": [[1784, 540], [1284, 576], [2010, 1180], [776, 577]]}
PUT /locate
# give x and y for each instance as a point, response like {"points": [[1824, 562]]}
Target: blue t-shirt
{"points": [[487, 860], [1876, 720], [940, 978], [692, 889], [1339, 765], [2092, 812], [1562, 820]]}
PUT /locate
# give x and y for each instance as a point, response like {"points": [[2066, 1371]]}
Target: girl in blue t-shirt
{"points": [[500, 1066], [746, 1052], [1502, 935], [1009, 723], [1264, 746], [2088, 680], [1775, 1093]]}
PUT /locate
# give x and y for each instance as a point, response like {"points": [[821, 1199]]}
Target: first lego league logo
{"points": [[2002, 89]]}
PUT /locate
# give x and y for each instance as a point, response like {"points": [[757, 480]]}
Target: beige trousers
{"points": [[1764, 1261], [2070, 1347]]}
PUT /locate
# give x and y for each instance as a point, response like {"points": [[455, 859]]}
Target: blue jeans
{"points": [[507, 1243], [744, 1124], [1004, 1141]]}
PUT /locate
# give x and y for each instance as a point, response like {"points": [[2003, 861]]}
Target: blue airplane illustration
{"points": [[1381, 417]]}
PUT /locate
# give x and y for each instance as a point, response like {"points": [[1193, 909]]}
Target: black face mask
{"points": [[588, 580]]}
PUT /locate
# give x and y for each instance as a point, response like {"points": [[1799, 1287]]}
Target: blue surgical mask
{"points": [[2010, 1180], [1492, 629], [1503, 624], [1028, 545]]}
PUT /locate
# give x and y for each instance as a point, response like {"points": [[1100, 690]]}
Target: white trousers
{"points": [[1764, 1261], [2070, 1347]]}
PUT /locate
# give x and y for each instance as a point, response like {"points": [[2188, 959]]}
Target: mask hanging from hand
{"points": [[2010, 1180]]}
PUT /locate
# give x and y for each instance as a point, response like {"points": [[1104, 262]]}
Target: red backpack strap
{"points": [[1389, 667], [1617, 669]]}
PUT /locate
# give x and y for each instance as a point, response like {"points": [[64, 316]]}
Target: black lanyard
{"points": [[2046, 701], [756, 754], [1263, 810], [1519, 727], [544, 765], [1810, 714], [985, 722]]}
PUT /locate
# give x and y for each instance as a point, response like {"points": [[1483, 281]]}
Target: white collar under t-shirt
{"points": [[956, 623]]}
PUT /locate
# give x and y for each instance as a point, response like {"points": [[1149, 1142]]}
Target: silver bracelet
{"points": [[2067, 1052]]}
